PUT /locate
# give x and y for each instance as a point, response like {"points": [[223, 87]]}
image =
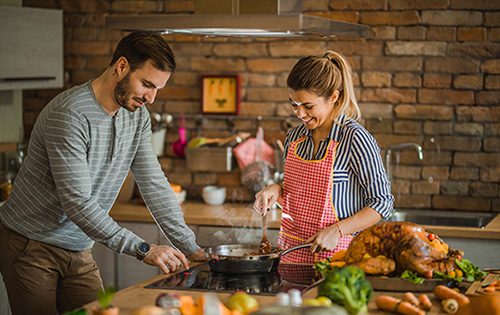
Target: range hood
{"points": [[241, 18]]}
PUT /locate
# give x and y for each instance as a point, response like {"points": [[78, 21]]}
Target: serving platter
{"points": [[402, 285]]}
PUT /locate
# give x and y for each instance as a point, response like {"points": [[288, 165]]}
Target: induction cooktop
{"points": [[200, 278]]}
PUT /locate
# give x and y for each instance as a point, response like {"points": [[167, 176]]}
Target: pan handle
{"points": [[291, 249]]}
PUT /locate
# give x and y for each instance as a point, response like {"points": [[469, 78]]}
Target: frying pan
{"points": [[236, 258]]}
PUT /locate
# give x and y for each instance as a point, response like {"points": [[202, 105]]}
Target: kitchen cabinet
{"points": [[31, 48]]}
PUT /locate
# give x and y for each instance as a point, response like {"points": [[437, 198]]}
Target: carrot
{"points": [[443, 293], [424, 302], [489, 289], [411, 298], [391, 304]]}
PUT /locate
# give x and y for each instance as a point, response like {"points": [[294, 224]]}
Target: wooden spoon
{"points": [[264, 246]]}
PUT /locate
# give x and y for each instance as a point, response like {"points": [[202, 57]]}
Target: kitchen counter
{"points": [[242, 215], [136, 296]]}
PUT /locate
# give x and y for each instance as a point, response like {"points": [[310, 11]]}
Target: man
{"points": [[83, 144]]}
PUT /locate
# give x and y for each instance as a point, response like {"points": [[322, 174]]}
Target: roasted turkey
{"points": [[389, 248]]}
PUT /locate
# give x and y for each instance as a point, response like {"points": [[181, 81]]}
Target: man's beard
{"points": [[122, 94]]}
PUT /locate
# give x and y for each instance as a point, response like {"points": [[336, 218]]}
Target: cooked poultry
{"points": [[392, 247]]}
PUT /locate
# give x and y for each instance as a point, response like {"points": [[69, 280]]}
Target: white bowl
{"points": [[181, 196], [214, 195]]}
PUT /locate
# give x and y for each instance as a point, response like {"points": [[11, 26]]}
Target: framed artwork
{"points": [[220, 94]]}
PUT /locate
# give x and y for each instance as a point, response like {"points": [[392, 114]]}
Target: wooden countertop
{"points": [[133, 297], [242, 215]]}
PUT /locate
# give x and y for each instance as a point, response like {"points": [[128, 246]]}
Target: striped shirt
{"points": [[78, 158], [359, 177]]}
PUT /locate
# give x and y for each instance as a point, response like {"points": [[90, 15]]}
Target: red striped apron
{"points": [[307, 203]]}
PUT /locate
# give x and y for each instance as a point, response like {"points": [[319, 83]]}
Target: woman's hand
{"points": [[265, 198], [326, 239], [167, 258]]}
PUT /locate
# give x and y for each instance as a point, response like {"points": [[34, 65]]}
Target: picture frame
{"points": [[220, 94]]}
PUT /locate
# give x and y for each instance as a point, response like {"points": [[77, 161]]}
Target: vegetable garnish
{"points": [[471, 271], [411, 276]]}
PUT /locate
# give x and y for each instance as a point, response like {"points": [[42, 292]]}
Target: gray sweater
{"points": [[77, 160]]}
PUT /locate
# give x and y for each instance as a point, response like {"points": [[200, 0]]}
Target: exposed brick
{"points": [[136, 6], [376, 79], [437, 128], [295, 48], [407, 127], [416, 48], [407, 80], [484, 189], [357, 5], [407, 172], [385, 140], [448, 97], [391, 95], [87, 48], [176, 107], [257, 109], [451, 65], [492, 82], [492, 144], [488, 98], [464, 173], [424, 112], [477, 113], [471, 34], [270, 65], [477, 159], [417, 4], [441, 33], [192, 49], [378, 126], [470, 81], [425, 188], [455, 188], [345, 16], [266, 94], [376, 110], [400, 187], [472, 129], [473, 50], [475, 4], [216, 64], [411, 33], [436, 173], [178, 6], [494, 34], [452, 17], [490, 174], [185, 78], [386, 32], [491, 66], [459, 144], [240, 50], [181, 178], [257, 79], [492, 129], [390, 18], [392, 63], [315, 5], [358, 47], [203, 179], [412, 201], [461, 203], [492, 18], [435, 80]]}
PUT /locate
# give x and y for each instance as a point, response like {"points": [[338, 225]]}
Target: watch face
{"points": [[143, 247]]}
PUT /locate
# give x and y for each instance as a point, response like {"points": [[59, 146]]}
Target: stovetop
{"points": [[200, 278]]}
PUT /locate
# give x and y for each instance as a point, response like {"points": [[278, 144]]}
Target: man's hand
{"points": [[199, 255], [168, 259]]}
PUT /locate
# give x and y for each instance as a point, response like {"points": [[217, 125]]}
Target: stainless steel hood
{"points": [[241, 18]]}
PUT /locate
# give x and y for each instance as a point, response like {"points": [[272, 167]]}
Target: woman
{"points": [[334, 183]]}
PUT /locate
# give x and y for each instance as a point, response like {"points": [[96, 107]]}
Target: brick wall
{"points": [[430, 74]]}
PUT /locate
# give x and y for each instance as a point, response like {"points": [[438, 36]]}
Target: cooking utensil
{"points": [[264, 246], [239, 258], [179, 146]]}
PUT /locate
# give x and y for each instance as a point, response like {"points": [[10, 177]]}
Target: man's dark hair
{"points": [[140, 46]]}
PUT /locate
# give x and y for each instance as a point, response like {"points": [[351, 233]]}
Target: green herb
{"points": [[347, 287], [412, 277], [105, 296], [323, 266], [443, 276], [471, 271]]}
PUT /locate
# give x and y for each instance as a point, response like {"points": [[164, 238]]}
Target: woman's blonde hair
{"points": [[323, 75]]}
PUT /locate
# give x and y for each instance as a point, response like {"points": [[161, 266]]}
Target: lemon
{"points": [[311, 302], [242, 302], [324, 301]]}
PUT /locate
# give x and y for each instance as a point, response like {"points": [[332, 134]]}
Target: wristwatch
{"points": [[142, 250]]}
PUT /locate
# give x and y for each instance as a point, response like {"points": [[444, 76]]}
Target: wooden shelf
{"points": [[8, 147]]}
